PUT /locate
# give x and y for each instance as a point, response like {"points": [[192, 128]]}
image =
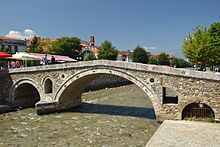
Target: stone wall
{"points": [[106, 81]]}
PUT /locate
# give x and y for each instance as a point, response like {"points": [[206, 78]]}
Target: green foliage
{"points": [[91, 56], [140, 55], [66, 46], [152, 60], [203, 45], [179, 63], [163, 59], [7, 50], [34, 46], [107, 51]]}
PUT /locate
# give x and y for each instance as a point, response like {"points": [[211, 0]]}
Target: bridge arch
{"points": [[22, 85], [191, 104], [79, 81]]}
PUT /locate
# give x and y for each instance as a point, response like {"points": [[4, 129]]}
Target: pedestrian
{"points": [[13, 64], [9, 65], [45, 60], [53, 60], [18, 64]]}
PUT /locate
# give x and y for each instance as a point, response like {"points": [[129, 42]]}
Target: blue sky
{"points": [[158, 25]]}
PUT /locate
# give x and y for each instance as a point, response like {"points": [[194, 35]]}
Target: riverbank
{"points": [[118, 117]]}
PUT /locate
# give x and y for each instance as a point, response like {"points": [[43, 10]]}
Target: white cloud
{"points": [[149, 47], [27, 34]]}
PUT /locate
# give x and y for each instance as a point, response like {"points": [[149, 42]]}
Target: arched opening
{"points": [[73, 88], [26, 95], [48, 86], [169, 96], [198, 111]]}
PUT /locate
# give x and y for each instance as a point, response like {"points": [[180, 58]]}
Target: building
{"points": [[89, 47], [15, 45], [124, 56]]}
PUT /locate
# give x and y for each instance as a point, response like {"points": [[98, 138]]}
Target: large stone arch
{"points": [[20, 82], [88, 75]]}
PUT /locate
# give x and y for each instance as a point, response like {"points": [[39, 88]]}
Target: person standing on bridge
{"points": [[45, 60]]}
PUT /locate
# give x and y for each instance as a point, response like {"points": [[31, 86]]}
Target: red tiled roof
{"points": [[124, 52], [9, 38]]}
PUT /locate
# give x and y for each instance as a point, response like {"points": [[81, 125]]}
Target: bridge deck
{"points": [[186, 134]]}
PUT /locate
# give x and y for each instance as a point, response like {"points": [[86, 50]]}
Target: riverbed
{"points": [[115, 117]]}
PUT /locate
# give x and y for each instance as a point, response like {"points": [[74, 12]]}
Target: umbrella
{"points": [[4, 55], [24, 56]]}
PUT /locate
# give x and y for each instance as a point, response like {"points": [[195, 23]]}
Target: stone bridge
{"points": [[57, 87]]}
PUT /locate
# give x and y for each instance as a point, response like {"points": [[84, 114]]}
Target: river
{"points": [[115, 117]]}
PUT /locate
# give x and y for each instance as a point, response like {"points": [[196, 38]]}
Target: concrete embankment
{"points": [[186, 134]]}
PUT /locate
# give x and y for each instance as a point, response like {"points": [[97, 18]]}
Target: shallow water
{"points": [[117, 117]]}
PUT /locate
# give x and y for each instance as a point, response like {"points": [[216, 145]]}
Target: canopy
{"points": [[24, 56], [57, 57], [4, 55]]}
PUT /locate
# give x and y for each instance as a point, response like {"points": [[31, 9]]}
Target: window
{"points": [[169, 96]]}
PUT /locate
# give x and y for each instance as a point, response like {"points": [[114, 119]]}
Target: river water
{"points": [[116, 117]]}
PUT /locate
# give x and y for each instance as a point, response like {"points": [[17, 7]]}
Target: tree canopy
{"points": [[179, 63], [140, 55], [163, 59], [34, 46], [203, 45], [152, 60], [91, 56], [107, 51], [66, 46]]}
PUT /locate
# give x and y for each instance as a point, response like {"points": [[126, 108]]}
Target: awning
{"points": [[57, 57], [4, 55]]}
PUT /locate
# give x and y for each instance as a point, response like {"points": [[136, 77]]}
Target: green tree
{"points": [[140, 55], [91, 56], [214, 32], [67, 46], [203, 46], [179, 63], [34, 46], [107, 51], [163, 59], [45, 45], [152, 60]]}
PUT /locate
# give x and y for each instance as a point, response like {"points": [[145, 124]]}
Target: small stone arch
{"points": [[92, 73], [197, 110], [24, 84], [48, 85]]}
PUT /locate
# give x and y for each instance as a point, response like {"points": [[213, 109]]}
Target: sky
{"points": [[156, 25]]}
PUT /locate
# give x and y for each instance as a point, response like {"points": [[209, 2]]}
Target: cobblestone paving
{"points": [[186, 134]]}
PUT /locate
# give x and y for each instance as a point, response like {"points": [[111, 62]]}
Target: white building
{"points": [[16, 45]]}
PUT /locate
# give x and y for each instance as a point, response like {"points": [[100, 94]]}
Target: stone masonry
{"points": [[66, 83]]}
